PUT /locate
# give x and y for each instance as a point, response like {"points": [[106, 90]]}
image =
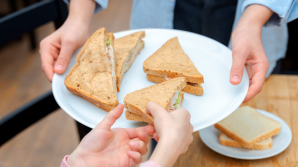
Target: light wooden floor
{"points": [[21, 80]]}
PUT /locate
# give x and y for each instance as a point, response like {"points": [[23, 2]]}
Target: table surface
{"points": [[278, 96]]}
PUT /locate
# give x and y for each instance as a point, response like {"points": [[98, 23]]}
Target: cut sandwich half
{"points": [[93, 75], [167, 94], [126, 50], [170, 61]]}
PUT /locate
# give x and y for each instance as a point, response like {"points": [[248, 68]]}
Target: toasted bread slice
{"points": [[92, 75], [126, 50], [247, 126], [136, 117], [164, 94], [171, 61], [191, 88], [262, 145]]}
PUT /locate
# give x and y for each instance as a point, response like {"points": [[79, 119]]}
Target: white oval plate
{"points": [[211, 58], [281, 141]]}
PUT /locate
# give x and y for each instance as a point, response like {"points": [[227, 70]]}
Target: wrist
{"points": [[81, 11], [165, 153], [256, 15]]}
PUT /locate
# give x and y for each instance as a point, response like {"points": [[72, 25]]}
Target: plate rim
{"points": [[217, 119], [254, 157]]}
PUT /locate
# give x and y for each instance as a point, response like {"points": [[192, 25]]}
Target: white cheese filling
{"points": [[176, 101], [110, 55]]}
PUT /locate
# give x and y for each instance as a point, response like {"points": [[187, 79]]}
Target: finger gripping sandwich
{"points": [[93, 75], [167, 94], [169, 62]]}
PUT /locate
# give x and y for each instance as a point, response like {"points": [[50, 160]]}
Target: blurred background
{"points": [[22, 80]]}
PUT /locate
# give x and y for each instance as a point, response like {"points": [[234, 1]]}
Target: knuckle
{"points": [[237, 68], [259, 89], [43, 67], [62, 58]]}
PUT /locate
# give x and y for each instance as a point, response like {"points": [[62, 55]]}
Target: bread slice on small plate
{"points": [[262, 145], [247, 126], [192, 88], [93, 75], [167, 94]]}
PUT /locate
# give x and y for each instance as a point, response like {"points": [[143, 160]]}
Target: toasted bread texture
{"points": [[262, 145], [136, 117], [161, 94], [247, 126], [126, 50], [170, 60], [91, 76], [195, 89]]}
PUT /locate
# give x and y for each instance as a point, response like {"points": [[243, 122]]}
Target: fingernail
{"points": [[59, 67], [133, 144], [235, 78]]}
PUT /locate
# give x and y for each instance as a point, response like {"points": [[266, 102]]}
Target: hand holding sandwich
{"points": [[173, 133], [112, 147]]}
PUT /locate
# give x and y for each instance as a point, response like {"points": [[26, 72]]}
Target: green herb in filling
{"points": [[108, 42], [178, 100]]}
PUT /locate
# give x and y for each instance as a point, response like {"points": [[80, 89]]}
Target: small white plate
{"points": [[211, 58], [281, 141]]}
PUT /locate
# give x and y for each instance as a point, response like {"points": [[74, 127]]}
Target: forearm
{"points": [[253, 19], [81, 10], [165, 154]]}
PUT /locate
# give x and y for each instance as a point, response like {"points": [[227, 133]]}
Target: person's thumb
{"points": [[237, 69], [111, 118], [155, 110], [68, 46]]}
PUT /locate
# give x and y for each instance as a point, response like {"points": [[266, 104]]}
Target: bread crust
{"points": [[246, 144], [75, 86], [169, 52], [98, 103], [257, 146], [136, 117], [195, 90]]}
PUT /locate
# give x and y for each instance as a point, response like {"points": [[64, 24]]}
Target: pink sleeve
{"points": [[149, 164], [64, 162]]}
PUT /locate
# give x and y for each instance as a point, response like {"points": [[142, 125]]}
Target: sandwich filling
{"points": [[111, 58], [189, 83], [131, 57], [176, 101]]}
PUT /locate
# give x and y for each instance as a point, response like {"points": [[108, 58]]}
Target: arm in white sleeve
{"points": [[284, 10]]}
